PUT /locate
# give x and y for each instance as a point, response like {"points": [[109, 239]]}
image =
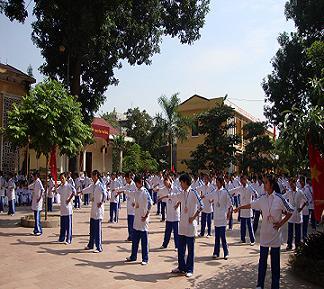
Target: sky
{"points": [[232, 57]]}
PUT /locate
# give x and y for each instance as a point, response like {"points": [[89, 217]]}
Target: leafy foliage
{"points": [[138, 125], [218, 150], [48, 116], [308, 261], [257, 156], [288, 85], [84, 41], [137, 160], [111, 118]]}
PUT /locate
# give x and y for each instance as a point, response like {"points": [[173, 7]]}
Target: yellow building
{"points": [[198, 104], [14, 84]]}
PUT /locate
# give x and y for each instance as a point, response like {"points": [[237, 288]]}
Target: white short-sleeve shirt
{"points": [[272, 207]]}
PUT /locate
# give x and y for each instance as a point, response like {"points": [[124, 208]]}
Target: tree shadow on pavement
{"points": [[9, 223], [103, 265], [240, 277], [62, 252], [150, 278]]}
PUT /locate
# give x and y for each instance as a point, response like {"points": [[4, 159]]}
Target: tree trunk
{"points": [[75, 73], [171, 155], [46, 184], [120, 160]]}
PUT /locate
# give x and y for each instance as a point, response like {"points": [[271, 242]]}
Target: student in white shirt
{"points": [[37, 202], [11, 195], [86, 183], [98, 195], [206, 214], [191, 206], [298, 201], [246, 193], [143, 204], [2, 191], [78, 187], [272, 205], [129, 190], [222, 209], [229, 186], [311, 203], [259, 187], [114, 200], [308, 194], [173, 212], [50, 193], [66, 192]]}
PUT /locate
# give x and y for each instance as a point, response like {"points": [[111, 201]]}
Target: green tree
{"points": [[111, 117], [172, 124], [138, 125], [120, 144], [218, 150], [83, 42], [257, 156], [48, 117], [288, 85]]}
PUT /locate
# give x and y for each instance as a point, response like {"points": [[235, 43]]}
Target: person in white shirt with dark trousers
{"points": [[129, 190], [272, 205], [172, 212], [222, 210], [298, 201], [2, 191], [98, 196], [246, 193], [37, 202], [143, 204], [191, 206], [66, 192], [11, 195]]}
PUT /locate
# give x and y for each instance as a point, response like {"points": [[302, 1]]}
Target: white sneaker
{"points": [[215, 257], [226, 257], [162, 247], [87, 248], [66, 243], [252, 243], [144, 263], [189, 274], [177, 271], [96, 251]]}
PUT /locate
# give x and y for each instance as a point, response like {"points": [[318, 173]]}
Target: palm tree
{"points": [[120, 144], [171, 123]]}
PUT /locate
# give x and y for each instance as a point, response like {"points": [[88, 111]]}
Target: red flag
{"points": [[173, 169], [317, 173], [52, 164]]}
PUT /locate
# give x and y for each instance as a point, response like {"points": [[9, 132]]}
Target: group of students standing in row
{"points": [[181, 200]]}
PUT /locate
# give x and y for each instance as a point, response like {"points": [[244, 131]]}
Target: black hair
{"points": [[138, 179], [221, 180], [185, 178], [273, 183], [36, 174]]}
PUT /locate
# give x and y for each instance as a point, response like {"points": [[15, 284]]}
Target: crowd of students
{"points": [[185, 203]]}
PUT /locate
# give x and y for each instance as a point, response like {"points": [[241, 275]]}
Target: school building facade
{"points": [[197, 104], [15, 84]]}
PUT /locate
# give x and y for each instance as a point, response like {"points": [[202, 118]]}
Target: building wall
{"points": [[196, 105]]}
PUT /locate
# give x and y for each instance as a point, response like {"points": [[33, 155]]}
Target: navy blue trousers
{"points": [[305, 226], [186, 265], [66, 229], [38, 226], [130, 223], [136, 238], [86, 199], [256, 219], [220, 234], [247, 222], [205, 218], [95, 234], [50, 204], [169, 227], [291, 233], [1, 204], [275, 266], [113, 211], [12, 207], [77, 203]]}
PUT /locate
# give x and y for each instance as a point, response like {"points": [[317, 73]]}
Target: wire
{"points": [[244, 99]]}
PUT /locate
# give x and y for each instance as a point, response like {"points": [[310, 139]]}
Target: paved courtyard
{"points": [[38, 262]]}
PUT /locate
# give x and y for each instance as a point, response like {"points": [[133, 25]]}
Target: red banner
{"points": [[100, 131], [52, 164], [317, 172]]}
